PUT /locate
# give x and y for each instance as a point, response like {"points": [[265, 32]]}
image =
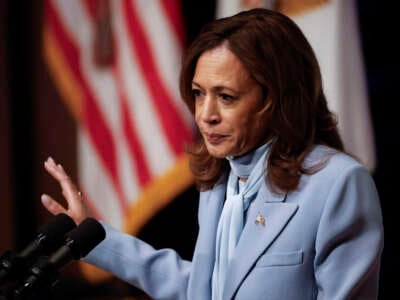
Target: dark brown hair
{"points": [[282, 62]]}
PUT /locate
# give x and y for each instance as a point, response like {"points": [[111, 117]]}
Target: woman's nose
{"points": [[210, 111]]}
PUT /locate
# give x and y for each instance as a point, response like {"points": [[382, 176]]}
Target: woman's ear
{"points": [[267, 106]]}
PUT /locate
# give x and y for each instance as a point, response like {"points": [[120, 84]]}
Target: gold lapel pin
{"points": [[260, 219]]}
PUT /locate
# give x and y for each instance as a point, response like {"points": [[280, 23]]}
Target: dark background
{"points": [[30, 130]]}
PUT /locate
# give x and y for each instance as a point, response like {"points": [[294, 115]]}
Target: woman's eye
{"points": [[196, 93], [226, 97]]}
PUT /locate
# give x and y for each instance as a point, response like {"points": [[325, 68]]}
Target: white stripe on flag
{"points": [[96, 184], [159, 156], [166, 50]]}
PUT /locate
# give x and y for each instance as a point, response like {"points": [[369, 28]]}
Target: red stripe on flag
{"points": [[94, 121], [91, 7], [141, 169], [173, 126], [69, 50], [173, 11]]}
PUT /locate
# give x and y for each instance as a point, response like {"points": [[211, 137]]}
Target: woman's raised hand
{"points": [[76, 209]]}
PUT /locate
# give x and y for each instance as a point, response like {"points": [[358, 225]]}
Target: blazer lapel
{"points": [[211, 203], [257, 237]]}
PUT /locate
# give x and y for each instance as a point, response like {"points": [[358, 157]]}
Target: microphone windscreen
{"points": [[54, 231], [85, 237]]}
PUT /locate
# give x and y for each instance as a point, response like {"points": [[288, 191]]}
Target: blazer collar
{"points": [[256, 237]]}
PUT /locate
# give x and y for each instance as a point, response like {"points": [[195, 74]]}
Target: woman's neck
{"points": [[243, 165]]}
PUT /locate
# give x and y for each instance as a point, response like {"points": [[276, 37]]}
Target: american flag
{"points": [[116, 65]]}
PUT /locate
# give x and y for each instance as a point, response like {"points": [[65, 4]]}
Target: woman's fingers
{"points": [[69, 189], [57, 171], [51, 205], [76, 206]]}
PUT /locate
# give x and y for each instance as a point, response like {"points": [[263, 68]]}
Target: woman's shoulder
{"points": [[332, 162], [336, 172]]}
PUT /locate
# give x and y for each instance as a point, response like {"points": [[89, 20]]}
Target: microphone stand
{"points": [[42, 277], [42, 293]]}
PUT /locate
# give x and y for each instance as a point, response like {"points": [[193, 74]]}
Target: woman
{"points": [[284, 213]]}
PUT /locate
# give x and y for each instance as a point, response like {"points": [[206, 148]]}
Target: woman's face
{"points": [[227, 100]]}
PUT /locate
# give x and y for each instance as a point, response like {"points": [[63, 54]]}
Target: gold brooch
{"points": [[260, 219]]}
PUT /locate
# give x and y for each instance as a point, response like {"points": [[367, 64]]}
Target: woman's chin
{"points": [[219, 151]]}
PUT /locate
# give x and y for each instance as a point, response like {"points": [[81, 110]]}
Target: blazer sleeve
{"points": [[349, 239], [162, 274]]}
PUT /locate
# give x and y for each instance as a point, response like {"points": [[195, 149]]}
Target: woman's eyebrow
{"points": [[217, 88], [196, 84]]}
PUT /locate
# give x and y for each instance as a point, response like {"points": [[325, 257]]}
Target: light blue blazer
{"points": [[322, 241]]}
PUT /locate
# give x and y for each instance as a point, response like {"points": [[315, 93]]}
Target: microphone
{"points": [[48, 238], [78, 243]]}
